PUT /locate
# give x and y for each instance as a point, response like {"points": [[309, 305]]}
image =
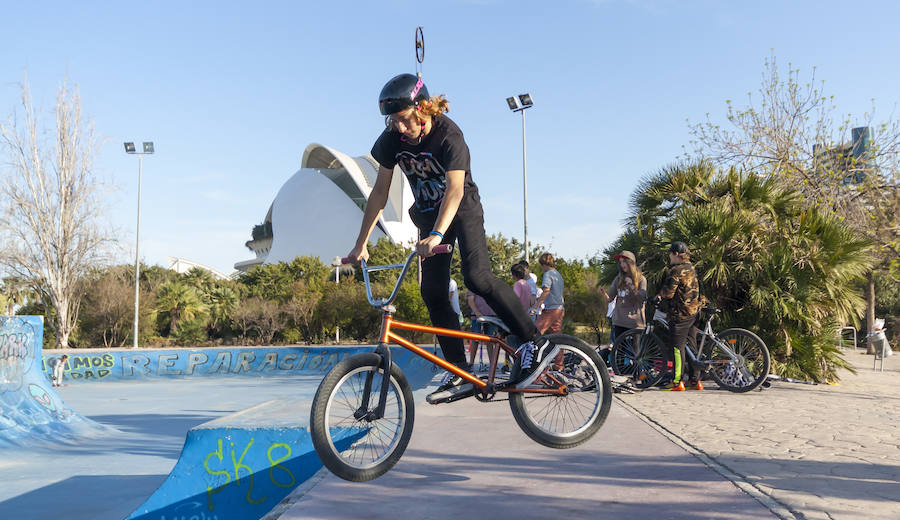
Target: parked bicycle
{"points": [[362, 415], [736, 359]]}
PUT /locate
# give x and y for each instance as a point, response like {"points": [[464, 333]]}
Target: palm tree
{"points": [[221, 302], [178, 301], [777, 266]]}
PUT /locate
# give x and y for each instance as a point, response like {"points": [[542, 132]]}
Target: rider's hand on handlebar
{"points": [[359, 253], [657, 300], [424, 247]]}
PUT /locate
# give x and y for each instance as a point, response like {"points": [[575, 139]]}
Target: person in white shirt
{"points": [[58, 366], [454, 299]]}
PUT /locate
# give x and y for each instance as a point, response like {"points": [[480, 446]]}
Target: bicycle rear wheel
{"points": [[640, 356], [747, 368], [565, 421], [351, 445]]}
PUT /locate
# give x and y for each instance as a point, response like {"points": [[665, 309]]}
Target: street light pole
{"points": [[130, 149], [521, 103], [137, 256], [337, 280], [525, 185]]}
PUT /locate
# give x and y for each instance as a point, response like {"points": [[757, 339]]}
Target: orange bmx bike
{"points": [[362, 415]]}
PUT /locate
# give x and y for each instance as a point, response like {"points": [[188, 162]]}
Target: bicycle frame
{"points": [[387, 336], [706, 332]]}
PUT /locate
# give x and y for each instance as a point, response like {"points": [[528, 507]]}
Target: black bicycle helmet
{"points": [[401, 92]]}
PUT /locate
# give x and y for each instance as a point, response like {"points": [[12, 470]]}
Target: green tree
{"points": [[177, 302], [777, 266], [790, 131], [221, 300]]}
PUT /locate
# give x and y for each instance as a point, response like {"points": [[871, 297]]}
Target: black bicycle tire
{"points": [[618, 355], [517, 401], [767, 362], [320, 433]]}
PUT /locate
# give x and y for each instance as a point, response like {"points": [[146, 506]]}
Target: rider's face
{"points": [[623, 265], [407, 123]]}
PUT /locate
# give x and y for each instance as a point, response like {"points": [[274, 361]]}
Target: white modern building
{"points": [[183, 265], [319, 209]]}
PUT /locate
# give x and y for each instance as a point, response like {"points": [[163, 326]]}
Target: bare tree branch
{"points": [[50, 213]]}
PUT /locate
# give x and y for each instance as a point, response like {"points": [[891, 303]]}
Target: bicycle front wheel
{"points": [[349, 441], [570, 419], [639, 356], [740, 360]]}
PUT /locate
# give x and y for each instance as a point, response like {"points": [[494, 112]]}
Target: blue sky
{"points": [[232, 93]]}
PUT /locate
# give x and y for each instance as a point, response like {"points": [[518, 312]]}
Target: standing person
{"points": [[480, 308], [454, 299], [531, 278], [629, 290], [58, 367], [431, 151], [521, 287], [682, 291], [551, 298]]}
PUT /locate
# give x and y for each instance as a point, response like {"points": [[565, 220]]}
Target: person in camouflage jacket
{"points": [[682, 292]]}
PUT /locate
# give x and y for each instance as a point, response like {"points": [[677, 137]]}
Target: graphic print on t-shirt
{"points": [[427, 178]]}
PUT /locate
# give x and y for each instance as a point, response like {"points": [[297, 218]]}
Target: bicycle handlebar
{"points": [[439, 249], [381, 302]]}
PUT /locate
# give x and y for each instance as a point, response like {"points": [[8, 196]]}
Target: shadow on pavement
{"points": [[94, 497]]}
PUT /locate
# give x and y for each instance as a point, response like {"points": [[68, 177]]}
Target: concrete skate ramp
{"points": [[242, 465], [31, 412]]}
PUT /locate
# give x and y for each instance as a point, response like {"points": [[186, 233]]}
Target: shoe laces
{"points": [[526, 355], [448, 376]]}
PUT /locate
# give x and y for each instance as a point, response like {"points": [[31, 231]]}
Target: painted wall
{"points": [[94, 366], [30, 410]]}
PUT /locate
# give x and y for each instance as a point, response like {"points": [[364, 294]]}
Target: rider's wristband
{"points": [[436, 234]]}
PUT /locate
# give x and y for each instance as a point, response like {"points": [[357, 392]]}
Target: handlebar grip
{"points": [[442, 249]]}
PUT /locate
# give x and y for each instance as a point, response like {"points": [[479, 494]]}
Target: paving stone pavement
{"points": [[823, 452]]}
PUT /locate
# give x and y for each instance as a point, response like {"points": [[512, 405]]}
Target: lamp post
{"points": [[148, 150], [521, 103], [337, 279]]}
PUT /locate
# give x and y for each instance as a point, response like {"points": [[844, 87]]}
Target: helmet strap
{"points": [[417, 140]]}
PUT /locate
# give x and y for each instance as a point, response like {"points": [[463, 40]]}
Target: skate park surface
{"points": [[241, 431], [467, 455]]}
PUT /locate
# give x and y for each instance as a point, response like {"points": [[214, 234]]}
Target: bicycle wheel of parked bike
{"points": [[639, 356], [565, 421], [350, 443], [748, 360]]}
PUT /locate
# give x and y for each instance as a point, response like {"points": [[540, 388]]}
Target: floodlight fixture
{"points": [[129, 148], [511, 101], [148, 146], [526, 100]]}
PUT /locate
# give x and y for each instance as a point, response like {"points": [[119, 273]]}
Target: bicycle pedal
{"points": [[448, 396]]}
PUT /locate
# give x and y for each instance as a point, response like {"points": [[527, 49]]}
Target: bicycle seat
{"points": [[495, 321], [711, 310]]}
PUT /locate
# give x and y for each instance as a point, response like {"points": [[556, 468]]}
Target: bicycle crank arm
{"points": [[539, 370]]}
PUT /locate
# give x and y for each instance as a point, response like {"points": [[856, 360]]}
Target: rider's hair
{"points": [[434, 106], [547, 259], [632, 270], [518, 271]]}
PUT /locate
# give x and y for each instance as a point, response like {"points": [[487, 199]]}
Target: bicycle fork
{"points": [[364, 413]]}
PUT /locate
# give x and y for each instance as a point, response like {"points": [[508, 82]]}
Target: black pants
{"points": [[617, 331], [679, 331], [468, 229]]}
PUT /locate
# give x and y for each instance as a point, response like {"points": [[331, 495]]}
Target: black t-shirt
{"points": [[426, 165]]}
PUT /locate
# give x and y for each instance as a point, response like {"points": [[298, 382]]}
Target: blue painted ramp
{"points": [[31, 412], [240, 466]]}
